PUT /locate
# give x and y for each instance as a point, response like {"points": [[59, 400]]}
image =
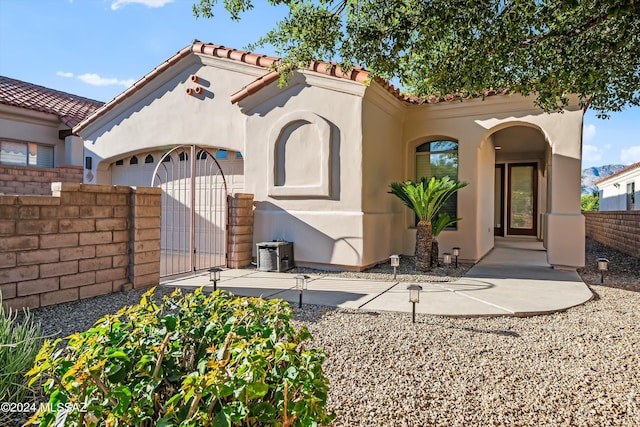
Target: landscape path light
{"points": [[446, 258], [301, 286], [414, 297], [395, 263], [603, 265], [214, 276], [456, 252]]}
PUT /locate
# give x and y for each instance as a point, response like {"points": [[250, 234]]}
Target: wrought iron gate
{"points": [[194, 210]]}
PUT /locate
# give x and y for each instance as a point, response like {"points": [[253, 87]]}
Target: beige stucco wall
{"points": [[472, 123], [320, 153], [383, 162], [162, 114], [20, 124], [322, 217]]}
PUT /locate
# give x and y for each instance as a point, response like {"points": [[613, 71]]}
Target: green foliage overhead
{"points": [[549, 48], [590, 203], [192, 360], [428, 196]]}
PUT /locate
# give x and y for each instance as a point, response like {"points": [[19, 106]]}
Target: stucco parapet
{"points": [[477, 107]]}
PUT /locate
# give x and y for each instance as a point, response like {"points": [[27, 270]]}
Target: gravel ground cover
{"points": [[580, 367]]}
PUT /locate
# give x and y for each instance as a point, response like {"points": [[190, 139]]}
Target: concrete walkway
{"points": [[513, 279]]}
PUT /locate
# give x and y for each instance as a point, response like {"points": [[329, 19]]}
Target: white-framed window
{"points": [[19, 153]]}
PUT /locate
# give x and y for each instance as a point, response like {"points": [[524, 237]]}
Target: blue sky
{"points": [[97, 48]]}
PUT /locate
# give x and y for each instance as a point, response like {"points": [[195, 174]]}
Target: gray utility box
{"points": [[275, 256]]}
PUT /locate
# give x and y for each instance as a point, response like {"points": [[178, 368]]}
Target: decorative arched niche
{"points": [[300, 156]]}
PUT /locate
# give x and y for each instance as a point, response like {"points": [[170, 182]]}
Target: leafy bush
{"points": [[191, 360], [590, 203], [19, 344]]}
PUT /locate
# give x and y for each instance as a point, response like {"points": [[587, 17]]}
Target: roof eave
{"points": [[132, 89], [620, 172]]}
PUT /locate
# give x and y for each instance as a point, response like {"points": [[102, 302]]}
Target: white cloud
{"points": [[96, 80], [591, 153], [607, 146], [117, 4], [64, 74], [588, 132], [630, 154]]}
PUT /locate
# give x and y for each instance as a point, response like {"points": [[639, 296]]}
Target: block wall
{"points": [[74, 244], [22, 180], [615, 229]]}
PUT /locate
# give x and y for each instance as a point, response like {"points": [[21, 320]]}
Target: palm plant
{"points": [[425, 199], [443, 221]]}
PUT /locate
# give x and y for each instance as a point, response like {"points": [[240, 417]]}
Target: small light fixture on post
{"points": [[446, 259], [414, 297], [603, 265], [395, 263], [214, 276], [301, 286], [456, 253]]}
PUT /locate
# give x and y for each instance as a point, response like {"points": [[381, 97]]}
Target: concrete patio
{"points": [[513, 279]]}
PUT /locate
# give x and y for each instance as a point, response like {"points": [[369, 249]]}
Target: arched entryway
{"points": [[194, 210], [521, 179]]}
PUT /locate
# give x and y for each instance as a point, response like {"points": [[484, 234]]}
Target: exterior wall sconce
{"points": [[456, 253], [603, 265], [301, 286], [446, 259], [414, 297], [395, 263], [214, 276]]}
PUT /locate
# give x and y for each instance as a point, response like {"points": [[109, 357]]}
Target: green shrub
{"points": [[190, 360], [19, 344], [590, 202]]}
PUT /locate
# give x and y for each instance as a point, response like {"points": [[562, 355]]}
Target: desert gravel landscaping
{"points": [[580, 367]]}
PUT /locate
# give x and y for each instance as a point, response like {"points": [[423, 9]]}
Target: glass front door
{"points": [[522, 209]]}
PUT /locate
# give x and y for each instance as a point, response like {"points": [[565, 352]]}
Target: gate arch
{"points": [[194, 210]]}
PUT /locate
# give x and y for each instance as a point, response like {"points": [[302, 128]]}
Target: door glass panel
{"points": [[498, 197], [522, 197]]}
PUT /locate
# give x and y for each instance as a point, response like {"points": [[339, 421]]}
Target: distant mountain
{"points": [[591, 175]]}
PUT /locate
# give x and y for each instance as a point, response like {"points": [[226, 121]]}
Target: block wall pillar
{"points": [[144, 251], [240, 230]]}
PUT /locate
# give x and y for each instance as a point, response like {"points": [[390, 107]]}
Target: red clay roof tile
{"points": [[71, 109]]}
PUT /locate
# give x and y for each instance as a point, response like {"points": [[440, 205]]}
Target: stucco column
{"points": [[565, 231], [73, 150]]}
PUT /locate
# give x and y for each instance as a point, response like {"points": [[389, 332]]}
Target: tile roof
{"points": [[621, 171], [71, 109], [357, 74]]}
